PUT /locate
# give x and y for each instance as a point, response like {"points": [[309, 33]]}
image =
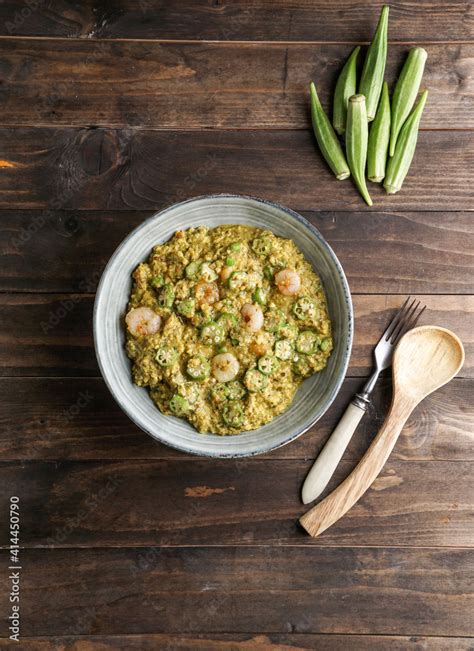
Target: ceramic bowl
{"points": [[315, 394]]}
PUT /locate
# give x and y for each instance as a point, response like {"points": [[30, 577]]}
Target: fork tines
{"points": [[405, 319]]}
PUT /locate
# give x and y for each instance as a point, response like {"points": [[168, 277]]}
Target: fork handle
{"points": [[329, 457]]}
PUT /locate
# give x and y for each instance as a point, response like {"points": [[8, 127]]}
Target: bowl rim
{"points": [[348, 344]]}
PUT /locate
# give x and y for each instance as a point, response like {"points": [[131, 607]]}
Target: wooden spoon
{"points": [[425, 359]]}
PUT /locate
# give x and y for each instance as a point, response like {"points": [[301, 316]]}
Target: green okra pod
{"points": [[406, 91], [374, 66], [345, 88], [379, 138], [327, 140], [399, 164], [357, 135]]}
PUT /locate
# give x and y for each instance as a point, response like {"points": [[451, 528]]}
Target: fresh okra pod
{"points": [[374, 66], [356, 143], [327, 140], [379, 138], [345, 88], [399, 165], [406, 91]]}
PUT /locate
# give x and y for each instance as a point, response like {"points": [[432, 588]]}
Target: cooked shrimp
{"points": [[207, 292], [142, 321], [288, 282], [225, 367], [252, 316]]}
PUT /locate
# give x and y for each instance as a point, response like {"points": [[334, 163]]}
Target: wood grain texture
{"points": [[51, 334], [97, 169], [411, 591], [77, 418], [214, 86], [95, 135], [242, 642], [239, 20], [439, 247], [202, 502]]}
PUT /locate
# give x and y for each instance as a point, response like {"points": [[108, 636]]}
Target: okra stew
{"points": [[224, 324]]}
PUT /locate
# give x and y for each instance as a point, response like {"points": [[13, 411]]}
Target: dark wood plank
{"points": [[96, 169], [31, 343], [80, 244], [51, 334], [370, 247], [76, 418], [193, 85], [438, 245], [228, 502], [247, 590], [242, 642], [238, 20]]}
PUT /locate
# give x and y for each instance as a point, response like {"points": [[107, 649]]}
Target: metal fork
{"points": [[326, 463]]}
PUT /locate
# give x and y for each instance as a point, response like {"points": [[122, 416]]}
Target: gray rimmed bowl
{"points": [[315, 394]]}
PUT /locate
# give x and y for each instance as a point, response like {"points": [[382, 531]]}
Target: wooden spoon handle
{"points": [[337, 503]]}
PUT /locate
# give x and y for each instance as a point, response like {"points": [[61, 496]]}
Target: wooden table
{"points": [[111, 111]]}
